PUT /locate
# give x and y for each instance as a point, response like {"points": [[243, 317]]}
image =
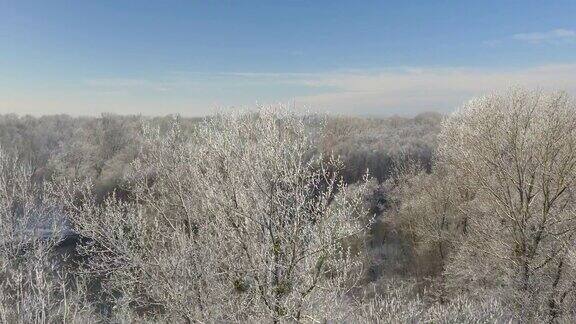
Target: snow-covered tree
{"points": [[514, 154], [241, 219]]}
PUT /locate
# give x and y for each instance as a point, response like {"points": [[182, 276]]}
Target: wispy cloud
{"points": [[399, 90], [492, 43], [417, 90], [559, 36], [403, 90], [553, 36], [112, 85]]}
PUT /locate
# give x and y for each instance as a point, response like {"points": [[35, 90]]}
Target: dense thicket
{"points": [[102, 147], [272, 216], [380, 144]]}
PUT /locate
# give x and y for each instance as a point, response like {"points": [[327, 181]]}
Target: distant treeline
{"points": [[102, 147]]}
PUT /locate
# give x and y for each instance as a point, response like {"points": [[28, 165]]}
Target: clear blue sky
{"points": [[189, 57]]}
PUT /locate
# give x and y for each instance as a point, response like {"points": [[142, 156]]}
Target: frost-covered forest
{"points": [[272, 216]]}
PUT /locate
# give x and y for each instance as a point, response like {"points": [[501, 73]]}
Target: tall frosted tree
{"points": [[241, 219], [514, 155]]}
